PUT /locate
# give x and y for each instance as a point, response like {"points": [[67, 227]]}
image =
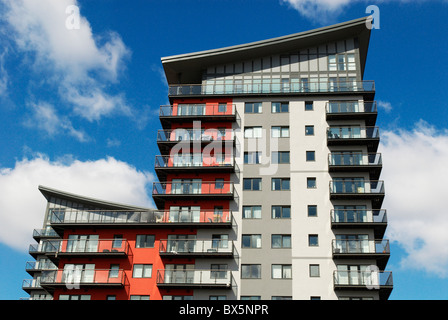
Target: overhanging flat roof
{"points": [[188, 68], [49, 192]]}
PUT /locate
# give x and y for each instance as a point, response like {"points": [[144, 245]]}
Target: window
{"points": [[218, 271], [281, 298], [309, 106], [222, 107], [139, 297], [309, 130], [251, 241], [218, 298], [251, 212], [253, 184], [114, 270], [314, 270], [111, 297], [250, 297], [312, 211], [250, 271], [280, 157], [314, 298], [177, 297], [253, 107], [280, 241], [142, 271], [145, 241], [279, 107], [117, 242], [351, 65], [252, 132], [281, 212], [281, 271], [332, 66], [280, 132], [313, 240], [280, 184], [311, 183], [310, 156], [219, 183], [74, 297], [252, 157]]}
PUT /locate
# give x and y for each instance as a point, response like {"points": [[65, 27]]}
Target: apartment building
{"points": [[269, 186]]}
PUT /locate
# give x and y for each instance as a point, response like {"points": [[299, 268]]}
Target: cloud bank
{"points": [[416, 175], [22, 206], [69, 59]]}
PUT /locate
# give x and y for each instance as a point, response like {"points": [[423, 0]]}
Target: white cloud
{"points": [[323, 10], [81, 63], [385, 105], [44, 117], [22, 206], [416, 176]]}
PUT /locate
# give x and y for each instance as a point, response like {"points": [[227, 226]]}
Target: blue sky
{"points": [[79, 111]]}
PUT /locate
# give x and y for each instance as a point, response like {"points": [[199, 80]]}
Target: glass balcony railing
{"points": [[81, 246], [198, 110], [367, 279], [73, 277], [358, 216], [235, 88], [196, 247], [357, 107], [192, 277], [352, 132], [195, 161], [356, 186], [361, 246], [193, 188], [40, 265], [48, 232], [60, 218], [195, 135], [349, 159]]}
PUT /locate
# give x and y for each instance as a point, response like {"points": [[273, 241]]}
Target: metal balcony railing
{"points": [[197, 278], [357, 107], [356, 186], [356, 216], [196, 247], [82, 246], [193, 188], [154, 217], [354, 159], [235, 88], [362, 279], [195, 160], [195, 135], [198, 110], [365, 247], [72, 277], [352, 132]]}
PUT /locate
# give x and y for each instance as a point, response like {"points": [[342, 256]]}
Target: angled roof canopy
{"points": [[49, 192], [187, 68]]}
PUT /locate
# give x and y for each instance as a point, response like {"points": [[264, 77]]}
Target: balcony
{"points": [[380, 281], [194, 279], [378, 250], [136, 219], [206, 111], [29, 285], [354, 136], [360, 218], [352, 110], [193, 189], [356, 162], [184, 137], [357, 189], [76, 278], [37, 266], [44, 233], [196, 162], [55, 249], [275, 88], [192, 248]]}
